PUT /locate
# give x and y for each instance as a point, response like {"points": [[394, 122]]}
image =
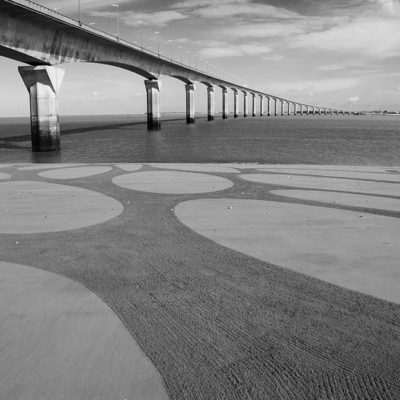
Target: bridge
{"points": [[44, 39]]}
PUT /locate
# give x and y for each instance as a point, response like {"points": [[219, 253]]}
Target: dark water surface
{"points": [[352, 140]]}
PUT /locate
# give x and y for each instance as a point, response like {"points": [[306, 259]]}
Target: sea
{"points": [[340, 140]]}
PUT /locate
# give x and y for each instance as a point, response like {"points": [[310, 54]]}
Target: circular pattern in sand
{"points": [[73, 173], [172, 182], [34, 207], [372, 176], [60, 341], [199, 168], [355, 250], [314, 182], [344, 199], [46, 166], [3, 176]]}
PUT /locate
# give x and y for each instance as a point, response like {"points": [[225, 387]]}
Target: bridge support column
{"points": [[268, 106], [210, 103], [294, 109], [282, 108], [262, 105], [245, 105], [224, 103], [190, 103], [301, 110], [153, 104], [275, 108], [235, 103], [43, 84], [288, 108], [253, 105]]}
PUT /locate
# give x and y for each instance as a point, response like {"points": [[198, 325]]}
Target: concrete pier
{"points": [[268, 106], [262, 105], [190, 103], [235, 103], [245, 105], [224, 103], [301, 109], [43, 84], [275, 108], [210, 103], [282, 108], [253, 105], [288, 108], [294, 109], [153, 104]]}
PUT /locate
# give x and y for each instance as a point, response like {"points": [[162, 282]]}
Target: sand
{"points": [[343, 199], [351, 249], [34, 207], [60, 341], [372, 176], [172, 182], [314, 182], [215, 322], [73, 173]]}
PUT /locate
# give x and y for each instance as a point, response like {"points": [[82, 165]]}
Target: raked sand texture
{"points": [[215, 322]]}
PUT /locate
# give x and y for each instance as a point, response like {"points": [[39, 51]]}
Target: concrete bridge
{"points": [[44, 39]]}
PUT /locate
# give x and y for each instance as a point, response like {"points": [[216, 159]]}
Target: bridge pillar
{"points": [[190, 103], [268, 106], [210, 103], [262, 105], [276, 107], [43, 84], [245, 105], [253, 105], [301, 109], [224, 103], [153, 104], [294, 109], [235, 103], [282, 108], [288, 108]]}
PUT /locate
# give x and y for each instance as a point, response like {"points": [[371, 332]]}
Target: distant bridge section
{"points": [[44, 39]]}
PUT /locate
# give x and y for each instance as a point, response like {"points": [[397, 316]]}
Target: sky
{"points": [[333, 53]]}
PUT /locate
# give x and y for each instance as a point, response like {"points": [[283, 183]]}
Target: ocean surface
{"points": [[351, 140]]}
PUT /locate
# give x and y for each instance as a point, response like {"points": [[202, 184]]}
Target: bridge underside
{"points": [[44, 39]]}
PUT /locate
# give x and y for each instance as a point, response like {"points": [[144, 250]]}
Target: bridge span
{"points": [[44, 39]]}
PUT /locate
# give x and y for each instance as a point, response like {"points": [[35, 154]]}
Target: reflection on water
{"points": [[311, 140]]}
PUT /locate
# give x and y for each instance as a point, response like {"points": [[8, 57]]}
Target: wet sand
{"points": [[215, 322]]}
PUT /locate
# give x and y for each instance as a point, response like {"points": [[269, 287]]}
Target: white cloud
{"points": [[273, 57], [313, 87], [250, 49], [363, 36], [68, 5], [332, 67], [231, 8], [130, 18], [354, 99]]}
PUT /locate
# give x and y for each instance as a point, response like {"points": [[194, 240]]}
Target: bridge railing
{"points": [[53, 13]]}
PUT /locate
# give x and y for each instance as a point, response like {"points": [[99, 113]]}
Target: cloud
{"points": [[273, 57], [68, 5], [354, 99], [362, 36], [130, 18], [332, 67], [251, 49], [231, 8], [313, 87]]}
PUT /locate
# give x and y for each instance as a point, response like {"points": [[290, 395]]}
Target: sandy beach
{"points": [[199, 281]]}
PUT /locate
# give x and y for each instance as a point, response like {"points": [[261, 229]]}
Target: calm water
{"points": [[354, 140]]}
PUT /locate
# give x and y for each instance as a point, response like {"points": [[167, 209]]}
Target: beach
{"points": [[222, 281]]}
